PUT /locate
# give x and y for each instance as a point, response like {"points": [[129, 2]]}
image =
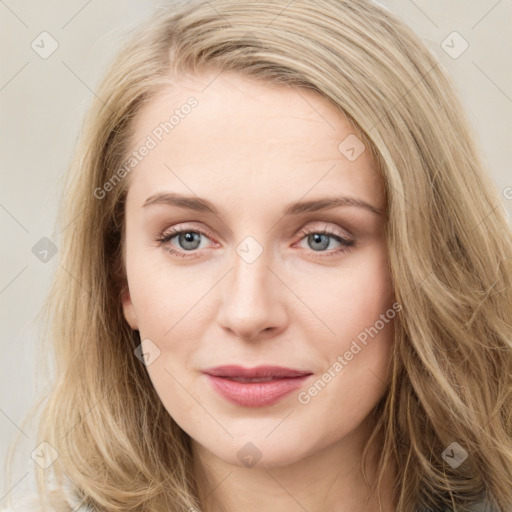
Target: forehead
{"points": [[225, 134]]}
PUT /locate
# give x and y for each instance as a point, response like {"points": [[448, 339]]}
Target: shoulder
{"points": [[29, 503], [33, 504], [481, 506], [484, 506]]}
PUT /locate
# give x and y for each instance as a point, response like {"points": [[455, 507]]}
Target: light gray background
{"points": [[42, 102]]}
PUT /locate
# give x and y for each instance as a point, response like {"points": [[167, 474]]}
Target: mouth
{"points": [[261, 373], [256, 387], [263, 379]]}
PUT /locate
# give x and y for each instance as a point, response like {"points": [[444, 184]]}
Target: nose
{"points": [[253, 306]]}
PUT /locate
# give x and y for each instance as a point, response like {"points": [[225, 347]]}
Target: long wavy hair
{"points": [[449, 242]]}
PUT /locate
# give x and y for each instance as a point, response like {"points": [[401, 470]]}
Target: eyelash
{"points": [[346, 243]]}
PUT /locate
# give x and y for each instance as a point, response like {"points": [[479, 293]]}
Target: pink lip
{"points": [[281, 381]]}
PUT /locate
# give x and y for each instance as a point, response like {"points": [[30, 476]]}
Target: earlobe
{"points": [[128, 310]]}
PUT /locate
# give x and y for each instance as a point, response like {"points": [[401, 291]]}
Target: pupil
{"points": [[189, 238], [317, 239]]}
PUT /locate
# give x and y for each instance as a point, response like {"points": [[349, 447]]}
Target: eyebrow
{"points": [[203, 205]]}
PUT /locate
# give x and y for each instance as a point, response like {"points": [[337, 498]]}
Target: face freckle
{"points": [[243, 176]]}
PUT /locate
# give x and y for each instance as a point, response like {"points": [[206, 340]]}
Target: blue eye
{"points": [[321, 238], [187, 237], [190, 239]]}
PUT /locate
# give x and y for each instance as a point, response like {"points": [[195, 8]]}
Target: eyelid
{"points": [[327, 226], [347, 239], [315, 228], [185, 226]]}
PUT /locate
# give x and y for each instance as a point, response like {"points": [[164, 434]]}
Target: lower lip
{"points": [[255, 394]]}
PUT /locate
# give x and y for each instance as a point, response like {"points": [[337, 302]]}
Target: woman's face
{"points": [[270, 278]]}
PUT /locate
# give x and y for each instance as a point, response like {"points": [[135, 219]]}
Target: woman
{"points": [[286, 277]]}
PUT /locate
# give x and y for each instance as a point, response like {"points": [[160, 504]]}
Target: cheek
{"points": [[352, 297], [356, 315], [163, 295], [167, 302]]}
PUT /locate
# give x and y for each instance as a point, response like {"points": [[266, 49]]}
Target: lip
{"points": [[280, 381], [236, 371]]}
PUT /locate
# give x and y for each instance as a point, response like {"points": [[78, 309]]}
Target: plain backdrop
{"points": [[42, 103]]}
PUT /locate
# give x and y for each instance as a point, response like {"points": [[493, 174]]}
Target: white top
{"points": [[32, 504]]}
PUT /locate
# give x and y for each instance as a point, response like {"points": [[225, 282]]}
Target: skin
{"points": [[251, 149]]}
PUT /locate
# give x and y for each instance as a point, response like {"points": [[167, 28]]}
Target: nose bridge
{"points": [[251, 301], [250, 275]]}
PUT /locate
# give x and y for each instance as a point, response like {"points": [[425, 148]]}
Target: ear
{"points": [[128, 310]]}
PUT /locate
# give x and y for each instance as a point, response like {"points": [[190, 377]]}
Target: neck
{"points": [[329, 479]]}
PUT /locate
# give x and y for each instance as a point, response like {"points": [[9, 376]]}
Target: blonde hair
{"points": [[450, 252]]}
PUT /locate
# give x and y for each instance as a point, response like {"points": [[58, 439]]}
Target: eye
{"points": [[319, 239], [190, 239]]}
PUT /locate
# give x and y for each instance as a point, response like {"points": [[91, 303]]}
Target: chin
{"points": [[259, 452]]}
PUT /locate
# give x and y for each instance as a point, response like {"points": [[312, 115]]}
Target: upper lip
{"points": [[258, 372]]}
